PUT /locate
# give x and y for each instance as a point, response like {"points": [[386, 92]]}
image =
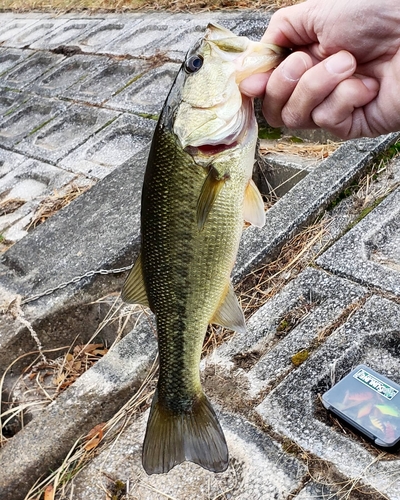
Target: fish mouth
{"points": [[236, 133]]}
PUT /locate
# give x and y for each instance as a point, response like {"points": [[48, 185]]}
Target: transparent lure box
{"points": [[369, 402]]}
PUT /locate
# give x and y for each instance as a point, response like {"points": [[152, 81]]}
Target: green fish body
{"points": [[196, 193]]}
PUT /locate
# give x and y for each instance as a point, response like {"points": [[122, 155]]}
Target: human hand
{"points": [[344, 73]]}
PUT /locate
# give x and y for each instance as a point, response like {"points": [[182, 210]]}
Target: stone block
{"points": [[9, 161], [369, 253], [64, 34], [306, 200], [143, 38], [34, 32], [28, 118], [30, 69], [21, 190], [314, 300], [259, 468], [95, 39], [14, 27], [106, 81], [94, 398], [66, 132], [110, 148], [10, 101], [147, 94], [71, 70], [11, 57], [293, 408]]}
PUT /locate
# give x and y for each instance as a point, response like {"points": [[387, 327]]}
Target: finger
{"points": [[314, 87], [254, 85], [340, 112], [281, 85]]}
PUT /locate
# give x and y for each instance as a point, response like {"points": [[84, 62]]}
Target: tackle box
{"points": [[370, 403]]}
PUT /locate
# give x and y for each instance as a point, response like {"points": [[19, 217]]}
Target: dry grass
{"points": [[304, 149], [133, 5], [55, 202]]}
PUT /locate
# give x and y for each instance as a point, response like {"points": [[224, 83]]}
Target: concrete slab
{"points": [[111, 147], [9, 161], [10, 101], [67, 32], [107, 80], [14, 27], [22, 189], [297, 207], [312, 302], [28, 118], [11, 57], [66, 132], [147, 94], [34, 32], [27, 71], [369, 253], [137, 38], [96, 38], [93, 399], [294, 410], [259, 468], [67, 73]]}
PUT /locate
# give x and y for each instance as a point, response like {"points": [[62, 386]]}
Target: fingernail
{"points": [[294, 68], [371, 84], [342, 62]]}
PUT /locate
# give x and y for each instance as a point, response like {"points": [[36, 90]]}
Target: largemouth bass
{"points": [[197, 191]]}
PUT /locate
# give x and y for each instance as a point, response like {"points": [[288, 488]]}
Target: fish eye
{"points": [[193, 64]]}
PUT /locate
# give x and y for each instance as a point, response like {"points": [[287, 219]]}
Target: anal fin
{"points": [[196, 436], [133, 291], [230, 314]]}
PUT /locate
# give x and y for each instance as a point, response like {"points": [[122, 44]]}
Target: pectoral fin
{"points": [[253, 209], [209, 192], [230, 314], [133, 291]]}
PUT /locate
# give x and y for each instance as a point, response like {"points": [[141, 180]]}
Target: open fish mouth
{"points": [[238, 132]]}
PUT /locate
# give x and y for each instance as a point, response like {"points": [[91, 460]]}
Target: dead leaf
{"points": [[49, 492]]}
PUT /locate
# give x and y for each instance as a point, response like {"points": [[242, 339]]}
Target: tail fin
{"points": [[173, 438]]}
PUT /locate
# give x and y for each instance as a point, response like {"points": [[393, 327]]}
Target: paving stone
{"points": [[293, 408], [137, 38], [95, 39], [67, 32], [106, 81], [147, 94], [10, 101], [28, 118], [316, 491], [67, 73], [369, 253], [111, 147], [23, 187], [298, 207], [258, 469], [11, 57], [315, 300], [9, 161], [34, 32], [66, 132], [27, 71], [14, 27]]}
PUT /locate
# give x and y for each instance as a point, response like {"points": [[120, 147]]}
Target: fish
{"points": [[197, 191]]}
